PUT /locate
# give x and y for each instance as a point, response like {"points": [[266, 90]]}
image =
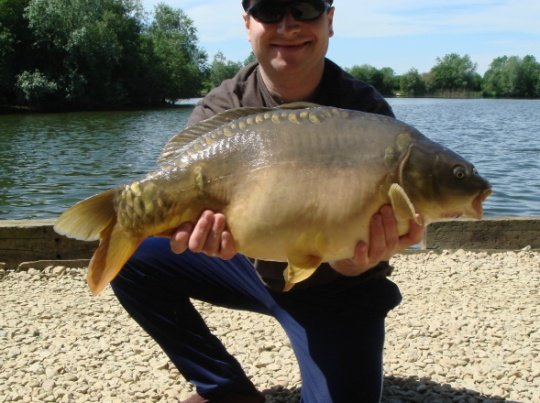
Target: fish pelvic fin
{"points": [[401, 204], [300, 268], [86, 219], [114, 250]]}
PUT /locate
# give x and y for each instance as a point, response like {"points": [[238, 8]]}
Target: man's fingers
{"points": [[228, 249], [361, 254], [208, 235], [197, 240], [377, 239], [414, 236], [390, 227], [180, 239], [212, 245]]}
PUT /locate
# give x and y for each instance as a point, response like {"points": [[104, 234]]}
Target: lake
{"points": [[50, 161]]}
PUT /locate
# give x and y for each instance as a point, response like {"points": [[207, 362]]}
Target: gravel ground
{"points": [[468, 330]]}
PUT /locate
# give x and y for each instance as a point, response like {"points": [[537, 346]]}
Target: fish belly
{"points": [[294, 210]]}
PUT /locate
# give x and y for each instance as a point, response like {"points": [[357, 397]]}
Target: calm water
{"points": [[50, 161]]}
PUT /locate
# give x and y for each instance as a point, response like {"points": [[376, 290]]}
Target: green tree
{"points": [[100, 53], [454, 74], [86, 48], [497, 78], [411, 84], [512, 77], [15, 40], [384, 79], [179, 61], [221, 69], [250, 59], [36, 87], [6, 62], [529, 86], [390, 82]]}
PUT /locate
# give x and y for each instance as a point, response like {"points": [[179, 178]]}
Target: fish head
{"points": [[442, 184]]}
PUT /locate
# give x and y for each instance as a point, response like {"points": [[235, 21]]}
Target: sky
{"points": [[400, 34]]}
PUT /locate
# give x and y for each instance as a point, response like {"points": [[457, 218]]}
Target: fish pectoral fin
{"points": [[114, 250], [300, 268], [402, 205]]}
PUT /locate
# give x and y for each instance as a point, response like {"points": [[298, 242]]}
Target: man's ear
{"points": [[246, 18], [330, 16]]}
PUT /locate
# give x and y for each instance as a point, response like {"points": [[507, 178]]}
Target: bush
{"points": [[36, 88]]}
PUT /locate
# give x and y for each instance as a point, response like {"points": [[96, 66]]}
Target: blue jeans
{"points": [[336, 330]]}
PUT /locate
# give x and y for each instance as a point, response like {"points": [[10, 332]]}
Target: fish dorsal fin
{"points": [[402, 205], [186, 136]]}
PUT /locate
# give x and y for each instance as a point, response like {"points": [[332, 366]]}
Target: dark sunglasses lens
{"points": [[308, 10], [273, 11], [268, 11]]}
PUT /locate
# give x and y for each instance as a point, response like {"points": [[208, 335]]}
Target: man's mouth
{"points": [[290, 46]]}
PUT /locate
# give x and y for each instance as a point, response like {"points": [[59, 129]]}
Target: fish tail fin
{"points": [[114, 250], [87, 219], [92, 219]]}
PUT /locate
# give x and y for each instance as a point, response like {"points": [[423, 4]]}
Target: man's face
{"points": [[290, 45]]}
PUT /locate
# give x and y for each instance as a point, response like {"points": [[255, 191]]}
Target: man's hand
{"points": [[208, 235], [384, 242]]}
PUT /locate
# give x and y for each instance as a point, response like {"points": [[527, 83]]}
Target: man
{"points": [[335, 319]]}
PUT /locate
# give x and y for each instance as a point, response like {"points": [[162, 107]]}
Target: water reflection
{"points": [[50, 161]]}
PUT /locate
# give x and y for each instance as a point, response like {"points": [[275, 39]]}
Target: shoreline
{"points": [[22, 109], [24, 242], [191, 102]]}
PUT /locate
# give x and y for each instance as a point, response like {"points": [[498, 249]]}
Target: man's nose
{"points": [[288, 24]]}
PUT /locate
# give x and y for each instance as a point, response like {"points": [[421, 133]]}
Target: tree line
{"points": [[78, 54], [455, 76], [62, 54]]}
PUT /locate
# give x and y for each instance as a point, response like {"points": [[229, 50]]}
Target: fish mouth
{"points": [[477, 203], [475, 210]]}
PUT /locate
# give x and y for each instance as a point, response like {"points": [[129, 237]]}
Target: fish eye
{"points": [[459, 172]]}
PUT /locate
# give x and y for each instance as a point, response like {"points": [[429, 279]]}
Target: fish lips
{"points": [[477, 202], [473, 210]]}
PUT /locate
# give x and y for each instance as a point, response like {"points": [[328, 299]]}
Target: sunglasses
{"points": [[272, 12]]}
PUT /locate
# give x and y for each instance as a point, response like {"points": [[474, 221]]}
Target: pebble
{"points": [[58, 270], [467, 330]]}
